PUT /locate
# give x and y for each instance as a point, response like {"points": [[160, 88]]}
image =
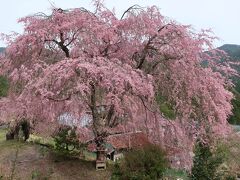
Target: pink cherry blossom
{"points": [[76, 61]]}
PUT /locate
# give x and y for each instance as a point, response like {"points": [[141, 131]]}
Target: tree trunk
{"points": [[9, 136], [26, 129], [14, 129], [13, 133], [98, 131]]}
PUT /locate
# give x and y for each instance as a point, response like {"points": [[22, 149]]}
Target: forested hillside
{"points": [[2, 49], [233, 51]]}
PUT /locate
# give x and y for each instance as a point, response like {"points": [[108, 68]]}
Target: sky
{"points": [[222, 16]]}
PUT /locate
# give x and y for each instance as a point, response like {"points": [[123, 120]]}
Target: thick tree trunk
{"points": [[98, 131]]}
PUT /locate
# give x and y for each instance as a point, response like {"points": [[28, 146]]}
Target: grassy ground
{"points": [[27, 161], [172, 174], [23, 161]]}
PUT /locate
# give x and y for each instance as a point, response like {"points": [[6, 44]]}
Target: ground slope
{"points": [[23, 161]]}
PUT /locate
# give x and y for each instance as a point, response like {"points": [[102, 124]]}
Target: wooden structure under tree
{"points": [[101, 158]]}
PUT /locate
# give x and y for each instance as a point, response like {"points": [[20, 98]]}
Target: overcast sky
{"points": [[223, 16]]}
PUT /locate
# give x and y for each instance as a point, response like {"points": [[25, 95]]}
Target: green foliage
{"points": [[3, 132], [231, 177], [4, 86], [141, 164], [235, 118], [165, 107], [37, 175], [66, 141], [46, 142], [230, 149], [176, 174], [234, 53], [205, 162], [232, 50]]}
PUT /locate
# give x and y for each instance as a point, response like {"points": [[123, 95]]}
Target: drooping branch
{"points": [[73, 38], [146, 48], [129, 9]]}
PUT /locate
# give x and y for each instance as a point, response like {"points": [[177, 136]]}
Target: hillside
{"points": [[19, 160], [2, 49], [233, 52]]}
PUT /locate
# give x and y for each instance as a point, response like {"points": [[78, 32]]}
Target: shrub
{"points": [[149, 162], [230, 147], [66, 140], [205, 162]]}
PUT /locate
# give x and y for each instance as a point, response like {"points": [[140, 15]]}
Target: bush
{"points": [[67, 142], [149, 162], [205, 162], [230, 147]]}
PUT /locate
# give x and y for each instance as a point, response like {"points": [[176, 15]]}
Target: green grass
{"points": [[3, 134], [36, 139], [5, 144], [89, 155], [32, 157], [173, 174]]}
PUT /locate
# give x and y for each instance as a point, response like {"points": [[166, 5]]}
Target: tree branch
{"points": [[135, 6], [59, 100]]}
